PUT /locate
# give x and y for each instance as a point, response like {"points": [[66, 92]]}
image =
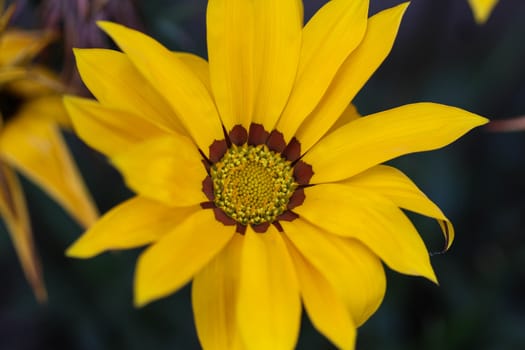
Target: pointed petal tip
{"points": [[78, 250]]}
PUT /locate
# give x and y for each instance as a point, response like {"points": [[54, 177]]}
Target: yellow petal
{"points": [[230, 36], [172, 261], [482, 9], [184, 92], [35, 147], [328, 38], [133, 223], [106, 129], [345, 263], [349, 114], [49, 108], [197, 65], [168, 169], [269, 306], [325, 308], [374, 220], [278, 30], [214, 298], [115, 82], [21, 45], [393, 184], [14, 214], [379, 137], [353, 74]]}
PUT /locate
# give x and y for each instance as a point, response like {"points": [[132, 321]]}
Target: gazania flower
{"points": [[31, 142], [254, 176], [482, 9]]}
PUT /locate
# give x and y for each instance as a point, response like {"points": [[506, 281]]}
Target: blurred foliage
{"points": [[441, 55]]}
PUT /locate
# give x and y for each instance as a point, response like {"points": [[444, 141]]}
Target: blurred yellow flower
{"points": [[30, 142], [255, 178], [482, 9]]}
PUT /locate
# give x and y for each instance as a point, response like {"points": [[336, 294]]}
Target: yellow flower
{"points": [[30, 142], [254, 176], [482, 9]]}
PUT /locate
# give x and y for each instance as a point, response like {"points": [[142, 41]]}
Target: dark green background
{"points": [[440, 55]]}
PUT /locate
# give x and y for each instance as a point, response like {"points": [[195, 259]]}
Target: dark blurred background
{"points": [[440, 55]]}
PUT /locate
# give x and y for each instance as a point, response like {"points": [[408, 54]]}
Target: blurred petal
{"points": [[115, 82], [106, 129], [269, 306], [345, 263], [36, 148], [14, 214], [353, 74], [376, 222], [325, 308], [21, 45], [328, 38], [168, 169], [171, 262], [181, 87], [482, 9], [214, 297], [133, 223], [379, 137], [396, 186]]}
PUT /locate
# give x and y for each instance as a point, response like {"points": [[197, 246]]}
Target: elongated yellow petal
{"points": [[168, 169], [393, 184], [349, 114], [171, 262], [325, 308], [115, 82], [230, 34], [181, 87], [214, 298], [328, 38], [345, 264], [14, 214], [379, 137], [482, 9], [376, 221], [106, 129], [353, 74], [34, 146], [133, 223], [269, 306], [198, 65], [278, 30]]}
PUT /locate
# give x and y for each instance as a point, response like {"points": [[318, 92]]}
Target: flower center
{"points": [[252, 184]]}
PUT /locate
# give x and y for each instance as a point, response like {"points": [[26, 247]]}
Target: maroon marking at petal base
{"points": [[217, 150], [240, 228], [261, 228], [276, 141], [207, 188], [302, 173], [207, 205], [278, 226], [222, 217], [296, 199], [238, 135], [287, 216], [257, 135], [292, 152]]}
